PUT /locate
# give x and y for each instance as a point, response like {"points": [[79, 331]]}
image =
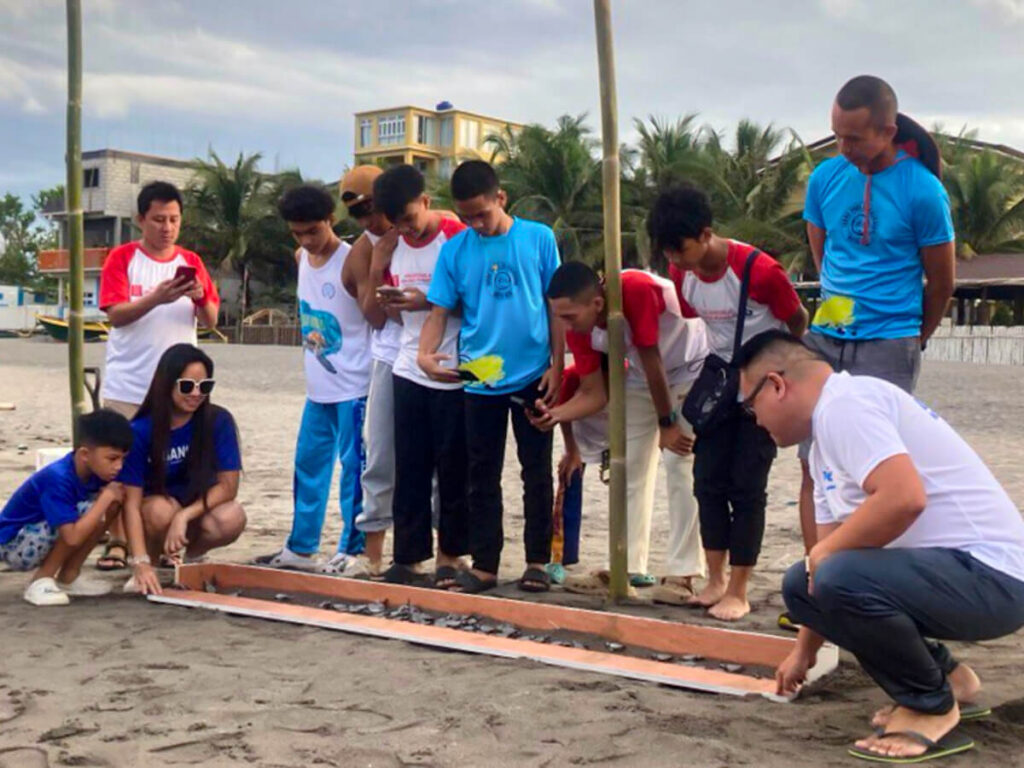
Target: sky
{"points": [[179, 77]]}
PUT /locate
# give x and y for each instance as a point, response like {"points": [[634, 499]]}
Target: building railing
{"points": [[59, 260]]}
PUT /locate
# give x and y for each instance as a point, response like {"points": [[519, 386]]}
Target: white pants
{"points": [[684, 556]]}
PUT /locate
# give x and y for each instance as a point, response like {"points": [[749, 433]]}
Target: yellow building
{"points": [[434, 140]]}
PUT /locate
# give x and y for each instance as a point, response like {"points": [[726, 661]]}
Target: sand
{"points": [[120, 682]]}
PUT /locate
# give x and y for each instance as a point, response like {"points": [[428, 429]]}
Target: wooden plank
{"points": [[748, 648], [697, 678]]}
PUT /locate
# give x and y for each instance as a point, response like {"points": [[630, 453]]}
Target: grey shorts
{"points": [[897, 361]]}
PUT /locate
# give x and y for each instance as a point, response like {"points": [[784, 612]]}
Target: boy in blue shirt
{"points": [[496, 273], [55, 518]]}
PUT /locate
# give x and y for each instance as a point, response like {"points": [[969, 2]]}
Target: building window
{"points": [[391, 129], [469, 134], [447, 131], [426, 130], [90, 177], [365, 132], [134, 172], [445, 168]]}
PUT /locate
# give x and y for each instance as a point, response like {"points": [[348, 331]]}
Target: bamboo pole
{"points": [[618, 582], [76, 373]]}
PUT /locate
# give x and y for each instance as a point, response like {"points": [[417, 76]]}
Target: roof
{"points": [[991, 266], [1001, 149], [453, 110], [97, 154]]}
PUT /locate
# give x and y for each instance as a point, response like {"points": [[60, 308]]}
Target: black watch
{"points": [[667, 421]]}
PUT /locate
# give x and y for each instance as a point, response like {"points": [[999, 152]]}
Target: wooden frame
{"points": [[725, 645]]}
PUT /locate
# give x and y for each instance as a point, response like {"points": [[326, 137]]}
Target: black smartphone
{"points": [[466, 375], [522, 402], [185, 274]]}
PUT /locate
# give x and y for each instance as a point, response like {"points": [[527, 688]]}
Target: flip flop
{"points": [[115, 562], [952, 743], [403, 574], [471, 584], [642, 580], [967, 712], [535, 580], [446, 573]]}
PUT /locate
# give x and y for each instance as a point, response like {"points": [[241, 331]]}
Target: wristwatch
{"points": [[140, 560], [667, 421]]}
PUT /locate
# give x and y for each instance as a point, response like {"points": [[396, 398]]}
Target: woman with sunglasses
{"points": [[181, 477]]}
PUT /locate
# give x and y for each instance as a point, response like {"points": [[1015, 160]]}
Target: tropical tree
{"points": [[986, 194], [554, 176], [21, 239]]}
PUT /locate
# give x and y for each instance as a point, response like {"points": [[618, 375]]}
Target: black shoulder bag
{"points": [[712, 398]]}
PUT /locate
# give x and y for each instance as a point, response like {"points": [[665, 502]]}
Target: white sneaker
{"points": [[86, 586], [336, 565], [45, 592], [130, 587], [289, 561]]}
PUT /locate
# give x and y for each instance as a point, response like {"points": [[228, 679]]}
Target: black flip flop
{"points": [[471, 584], [535, 580], [446, 573], [406, 576], [952, 743]]}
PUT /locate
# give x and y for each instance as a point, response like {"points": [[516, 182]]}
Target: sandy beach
{"points": [[118, 681]]}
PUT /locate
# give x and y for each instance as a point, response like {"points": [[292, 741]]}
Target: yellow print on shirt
{"points": [[836, 311]]}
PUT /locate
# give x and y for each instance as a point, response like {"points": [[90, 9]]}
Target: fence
{"points": [[282, 335], [978, 344]]}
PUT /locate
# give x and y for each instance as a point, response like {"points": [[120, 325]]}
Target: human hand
{"points": [[411, 300], [196, 292], [114, 492], [146, 581], [570, 463], [431, 365], [551, 384], [383, 249], [545, 419], [815, 558], [673, 438], [792, 672], [169, 291], [177, 535]]}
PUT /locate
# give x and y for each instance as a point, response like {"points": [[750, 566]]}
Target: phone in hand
{"points": [[530, 407], [185, 274], [466, 375], [390, 292]]}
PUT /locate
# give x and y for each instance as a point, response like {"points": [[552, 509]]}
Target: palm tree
{"points": [[554, 177], [986, 193], [231, 217]]}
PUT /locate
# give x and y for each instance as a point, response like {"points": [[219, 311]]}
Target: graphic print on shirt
{"points": [[836, 312], [321, 333], [501, 280], [853, 223], [828, 476]]}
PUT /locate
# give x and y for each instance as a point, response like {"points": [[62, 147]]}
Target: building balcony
{"points": [[58, 261]]}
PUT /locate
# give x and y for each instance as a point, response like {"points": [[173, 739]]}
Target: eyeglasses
{"points": [[188, 386], [748, 404]]}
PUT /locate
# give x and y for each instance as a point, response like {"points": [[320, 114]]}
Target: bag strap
{"points": [[742, 316]]}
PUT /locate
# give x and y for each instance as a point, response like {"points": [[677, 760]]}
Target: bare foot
{"points": [[933, 727], [729, 608], [963, 680], [713, 592]]}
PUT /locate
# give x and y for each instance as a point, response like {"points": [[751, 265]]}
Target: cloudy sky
{"points": [[175, 77]]}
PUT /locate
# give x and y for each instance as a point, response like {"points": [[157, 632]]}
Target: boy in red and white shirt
{"points": [[731, 462], [152, 291], [663, 356]]}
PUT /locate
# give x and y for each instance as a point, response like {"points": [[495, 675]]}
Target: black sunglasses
{"points": [[748, 404], [188, 386]]}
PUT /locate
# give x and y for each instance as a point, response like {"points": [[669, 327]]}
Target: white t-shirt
{"points": [[861, 421], [335, 334], [388, 337], [414, 268], [134, 350]]}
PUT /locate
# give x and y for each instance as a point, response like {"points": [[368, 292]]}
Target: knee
{"points": [[837, 577], [794, 584], [157, 513], [227, 521]]}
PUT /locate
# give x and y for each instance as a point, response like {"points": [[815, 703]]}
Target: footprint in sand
{"points": [[11, 706], [23, 757]]}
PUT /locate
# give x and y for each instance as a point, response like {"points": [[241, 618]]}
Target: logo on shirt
{"points": [[835, 312], [853, 223], [500, 280], [829, 479], [135, 290], [328, 290], [321, 334]]}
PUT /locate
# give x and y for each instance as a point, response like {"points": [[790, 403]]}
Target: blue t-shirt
{"points": [[501, 283], [137, 470], [875, 291], [54, 494]]}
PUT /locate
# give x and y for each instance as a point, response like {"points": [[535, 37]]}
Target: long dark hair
{"points": [[913, 139], [159, 406]]}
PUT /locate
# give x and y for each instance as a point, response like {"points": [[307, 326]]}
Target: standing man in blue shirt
{"points": [[881, 235], [497, 273]]}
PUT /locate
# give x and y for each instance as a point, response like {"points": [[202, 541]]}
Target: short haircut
{"points": [[162, 191], [873, 93], [474, 178], [104, 429], [572, 279], [679, 212], [776, 344], [361, 210], [394, 189], [306, 203]]}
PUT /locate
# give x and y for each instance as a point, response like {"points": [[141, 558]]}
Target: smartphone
{"points": [[466, 375], [391, 291], [185, 274], [527, 405]]}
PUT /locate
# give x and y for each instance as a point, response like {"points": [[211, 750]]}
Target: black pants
{"points": [[429, 437], [486, 431], [730, 480], [881, 604]]}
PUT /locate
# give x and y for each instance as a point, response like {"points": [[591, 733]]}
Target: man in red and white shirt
{"points": [[152, 291], [664, 352], [731, 462]]}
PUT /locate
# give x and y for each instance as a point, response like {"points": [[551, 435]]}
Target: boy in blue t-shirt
{"points": [[55, 518], [497, 273]]}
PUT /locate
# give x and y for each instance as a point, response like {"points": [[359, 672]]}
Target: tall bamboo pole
{"points": [[613, 290], [76, 373]]}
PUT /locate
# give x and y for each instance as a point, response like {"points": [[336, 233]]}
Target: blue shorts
{"points": [[29, 547]]}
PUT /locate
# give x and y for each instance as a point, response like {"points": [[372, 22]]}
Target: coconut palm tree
{"points": [[986, 193]]}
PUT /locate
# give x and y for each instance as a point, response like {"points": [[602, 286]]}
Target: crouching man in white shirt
{"points": [[916, 542]]}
